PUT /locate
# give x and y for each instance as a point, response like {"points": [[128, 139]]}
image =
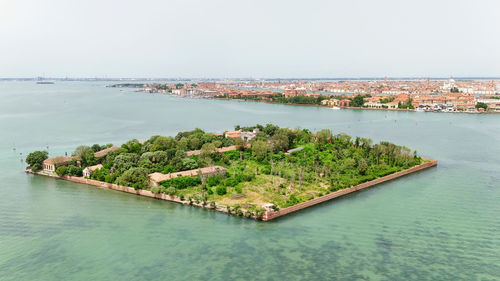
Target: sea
{"points": [[442, 223]]}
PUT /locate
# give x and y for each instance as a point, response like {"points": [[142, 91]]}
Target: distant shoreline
{"points": [[352, 108]]}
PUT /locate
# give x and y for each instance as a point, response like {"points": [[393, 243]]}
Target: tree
{"points": [[35, 159], [260, 149], [96, 147], [74, 171], [481, 105], [61, 171], [208, 150], [358, 101], [183, 143], [133, 146], [454, 90], [240, 144], [86, 154], [162, 143], [270, 129], [324, 136], [280, 141], [362, 166], [159, 157], [124, 162], [134, 177], [189, 164]]}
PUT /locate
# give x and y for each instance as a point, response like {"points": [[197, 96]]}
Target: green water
{"points": [[439, 224]]}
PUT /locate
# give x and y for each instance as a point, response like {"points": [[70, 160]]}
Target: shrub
{"points": [[182, 182], [221, 190], [232, 155], [169, 169], [74, 171], [266, 170], [171, 191], [292, 200], [213, 181], [155, 189], [189, 164], [210, 191], [36, 167], [110, 178], [231, 182], [61, 171], [238, 189]]}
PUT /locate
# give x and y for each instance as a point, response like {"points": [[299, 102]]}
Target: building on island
{"points": [[105, 151], [87, 172], [244, 135], [156, 178], [50, 164]]}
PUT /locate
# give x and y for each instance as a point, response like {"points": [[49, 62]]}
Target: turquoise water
{"points": [[439, 224]]}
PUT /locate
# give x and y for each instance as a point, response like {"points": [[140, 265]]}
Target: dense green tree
{"points": [[481, 105], [74, 171], [358, 101], [124, 162], [189, 164], [62, 170], [280, 141], [183, 144], [221, 190], [194, 143], [270, 129], [159, 157], [134, 177], [163, 143], [35, 159]]}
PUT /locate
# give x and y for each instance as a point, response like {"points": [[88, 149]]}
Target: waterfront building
{"points": [[87, 172], [50, 164]]}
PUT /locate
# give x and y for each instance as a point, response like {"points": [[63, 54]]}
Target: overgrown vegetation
{"points": [[262, 172]]}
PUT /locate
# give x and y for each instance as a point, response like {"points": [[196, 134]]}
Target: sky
{"points": [[249, 39]]}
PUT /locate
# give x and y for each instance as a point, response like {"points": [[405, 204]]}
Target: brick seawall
{"points": [[127, 189], [269, 215]]}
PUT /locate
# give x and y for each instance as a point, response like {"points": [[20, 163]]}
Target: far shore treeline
{"points": [[275, 165]]}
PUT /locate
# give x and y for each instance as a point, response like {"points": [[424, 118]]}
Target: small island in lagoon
{"points": [[260, 172]]}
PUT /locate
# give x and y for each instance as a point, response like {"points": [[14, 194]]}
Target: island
{"points": [[259, 172]]}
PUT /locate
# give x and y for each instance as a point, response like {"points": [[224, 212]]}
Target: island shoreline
{"points": [[268, 214]]}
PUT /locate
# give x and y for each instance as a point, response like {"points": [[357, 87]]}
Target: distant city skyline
{"points": [[257, 39]]}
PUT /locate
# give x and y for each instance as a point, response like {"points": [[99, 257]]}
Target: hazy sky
{"points": [[272, 38]]}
